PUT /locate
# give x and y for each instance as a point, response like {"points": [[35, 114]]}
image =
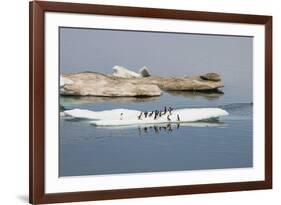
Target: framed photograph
{"points": [[139, 102]]}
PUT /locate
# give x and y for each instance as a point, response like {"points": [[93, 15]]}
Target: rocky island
{"points": [[127, 83]]}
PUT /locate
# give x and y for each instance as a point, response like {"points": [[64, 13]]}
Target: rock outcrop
{"points": [[97, 84], [144, 72], [211, 76]]}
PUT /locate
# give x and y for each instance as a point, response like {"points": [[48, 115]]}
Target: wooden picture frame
{"points": [[37, 193]]}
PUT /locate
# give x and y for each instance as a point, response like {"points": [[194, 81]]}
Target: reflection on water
{"points": [[156, 129], [211, 95], [97, 100], [170, 127], [205, 123], [65, 101]]}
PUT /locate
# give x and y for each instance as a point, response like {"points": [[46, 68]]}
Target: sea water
{"points": [[89, 150]]}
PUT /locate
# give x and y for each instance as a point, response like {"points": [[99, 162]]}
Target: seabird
{"points": [[168, 117], [178, 117], [121, 116], [156, 114], [170, 110], [139, 117], [145, 114], [150, 114], [165, 110]]}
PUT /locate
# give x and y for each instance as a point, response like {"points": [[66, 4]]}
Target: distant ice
{"points": [[120, 71]]}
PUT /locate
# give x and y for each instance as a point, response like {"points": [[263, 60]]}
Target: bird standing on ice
{"points": [[168, 117], [139, 117], [170, 110], [156, 114], [145, 114]]}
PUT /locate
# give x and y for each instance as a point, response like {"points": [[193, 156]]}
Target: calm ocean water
{"points": [[89, 150]]}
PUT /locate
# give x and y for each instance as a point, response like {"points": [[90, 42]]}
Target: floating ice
{"points": [[114, 114], [123, 72], [124, 117]]}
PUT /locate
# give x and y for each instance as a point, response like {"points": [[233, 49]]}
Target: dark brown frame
{"points": [[36, 104]]}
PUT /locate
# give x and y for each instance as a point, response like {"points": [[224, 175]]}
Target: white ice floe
{"points": [[123, 72], [120, 71], [124, 117], [114, 114]]}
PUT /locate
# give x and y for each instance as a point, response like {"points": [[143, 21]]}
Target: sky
{"points": [[165, 54]]}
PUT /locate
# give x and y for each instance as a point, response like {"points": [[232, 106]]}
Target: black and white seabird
{"points": [[139, 117], [178, 117], [156, 114], [170, 110], [165, 110], [168, 117], [145, 114]]}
